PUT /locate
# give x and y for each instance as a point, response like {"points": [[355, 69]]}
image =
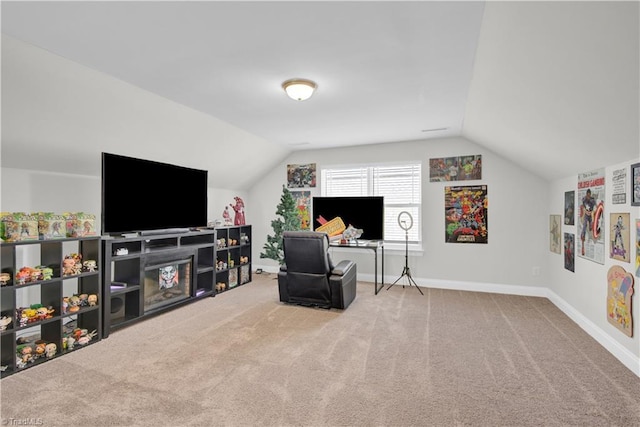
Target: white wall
{"points": [[26, 190], [583, 294], [518, 222], [59, 116], [516, 218]]}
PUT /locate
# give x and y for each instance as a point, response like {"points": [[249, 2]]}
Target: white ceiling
{"points": [[539, 83]]}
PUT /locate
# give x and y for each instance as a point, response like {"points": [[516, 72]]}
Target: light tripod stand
{"points": [[406, 224]]}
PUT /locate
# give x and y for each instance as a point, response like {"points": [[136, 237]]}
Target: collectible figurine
{"points": [[239, 211], [4, 322], [50, 350], [90, 265], [23, 275], [92, 300], [226, 216], [5, 278], [46, 273]]}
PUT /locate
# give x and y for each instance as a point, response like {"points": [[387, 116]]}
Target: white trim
{"points": [[626, 357]]}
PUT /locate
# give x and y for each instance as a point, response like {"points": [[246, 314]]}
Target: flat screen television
{"points": [[142, 195], [366, 213]]}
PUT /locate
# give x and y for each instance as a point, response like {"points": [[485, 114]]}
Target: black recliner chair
{"points": [[308, 276]]}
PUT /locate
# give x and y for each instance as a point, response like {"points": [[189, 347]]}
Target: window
{"points": [[400, 184]]}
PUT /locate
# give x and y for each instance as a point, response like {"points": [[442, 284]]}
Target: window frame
{"points": [[371, 185]]}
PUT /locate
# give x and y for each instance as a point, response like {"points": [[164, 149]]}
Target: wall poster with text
{"points": [[619, 237], [303, 204], [466, 214], [619, 187], [591, 194]]}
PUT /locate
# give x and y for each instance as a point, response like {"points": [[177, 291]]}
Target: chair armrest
{"points": [[342, 268]]}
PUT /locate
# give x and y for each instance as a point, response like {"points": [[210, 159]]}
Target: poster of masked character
{"points": [[466, 214], [591, 195], [168, 276]]}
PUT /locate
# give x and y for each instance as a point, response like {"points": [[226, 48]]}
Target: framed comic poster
{"points": [[466, 214], [569, 251], [459, 168], [620, 235], [555, 234], [619, 187], [635, 184], [638, 247], [303, 204], [300, 176], [591, 193], [569, 207]]}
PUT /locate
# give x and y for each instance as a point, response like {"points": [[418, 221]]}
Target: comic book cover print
{"points": [[591, 194], [466, 214], [620, 237], [303, 204]]}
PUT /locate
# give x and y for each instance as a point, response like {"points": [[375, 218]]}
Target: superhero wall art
{"points": [[591, 196], [466, 214]]}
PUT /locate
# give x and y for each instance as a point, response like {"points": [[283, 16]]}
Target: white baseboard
{"points": [[626, 357]]}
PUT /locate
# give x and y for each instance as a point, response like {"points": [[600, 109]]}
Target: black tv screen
{"points": [[142, 195], [366, 213]]}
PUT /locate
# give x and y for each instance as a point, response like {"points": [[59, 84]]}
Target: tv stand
{"points": [[128, 288], [163, 231]]}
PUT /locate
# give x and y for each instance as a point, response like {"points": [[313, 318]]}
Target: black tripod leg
{"points": [[395, 282], [415, 284]]}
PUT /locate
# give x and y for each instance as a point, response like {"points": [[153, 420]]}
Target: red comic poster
{"points": [[466, 214]]}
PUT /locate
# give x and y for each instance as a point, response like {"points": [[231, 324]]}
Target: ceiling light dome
{"points": [[299, 89]]}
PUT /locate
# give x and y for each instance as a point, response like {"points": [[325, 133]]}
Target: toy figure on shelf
{"points": [[239, 211], [90, 265], [23, 275], [92, 299], [46, 273], [226, 216], [5, 278], [72, 264], [4, 322], [50, 350]]}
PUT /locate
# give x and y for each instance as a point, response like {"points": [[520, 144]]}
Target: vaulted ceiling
{"points": [[552, 86]]}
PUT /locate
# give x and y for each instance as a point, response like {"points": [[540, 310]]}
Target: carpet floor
{"points": [[445, 358]]}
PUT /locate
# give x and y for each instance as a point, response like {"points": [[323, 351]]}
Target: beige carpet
{"points": [[447, 358]]}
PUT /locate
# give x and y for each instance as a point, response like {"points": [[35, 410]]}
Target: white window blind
{"points": [[400, 184]]}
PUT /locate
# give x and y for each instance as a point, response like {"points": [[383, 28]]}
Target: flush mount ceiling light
{"points": [[299, 89]]}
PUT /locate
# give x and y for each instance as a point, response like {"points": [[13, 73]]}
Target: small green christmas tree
{"points": [[288, 220]]}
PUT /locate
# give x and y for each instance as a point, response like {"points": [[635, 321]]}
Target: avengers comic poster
{"points": [[466, 214], [591, 196]]}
